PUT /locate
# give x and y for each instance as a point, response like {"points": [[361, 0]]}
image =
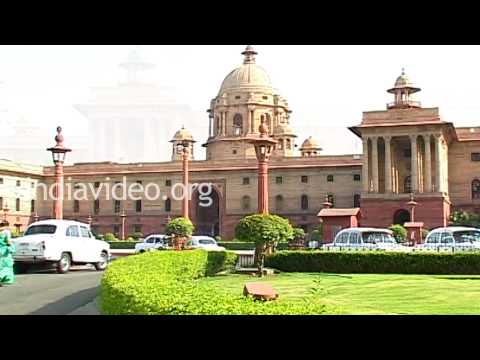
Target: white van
{"points": [[62, 243]]}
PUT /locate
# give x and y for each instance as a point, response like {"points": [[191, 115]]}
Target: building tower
{"points": [[246, 97], [182, 137], [310, 148], [402, 90]]}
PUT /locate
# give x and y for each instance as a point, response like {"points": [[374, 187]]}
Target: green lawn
{"points": [[372, 294]]}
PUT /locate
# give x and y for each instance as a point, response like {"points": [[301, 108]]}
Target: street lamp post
{"points": [[412, 203], [263, 149], [184, 148], [123, 215], [58, 155]]}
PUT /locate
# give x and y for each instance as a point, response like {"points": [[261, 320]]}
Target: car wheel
{"points": [[103, 263], [63, 266]]}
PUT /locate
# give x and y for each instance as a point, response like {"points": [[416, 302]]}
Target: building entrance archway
{"points": [[401, 217], [206, 218]]}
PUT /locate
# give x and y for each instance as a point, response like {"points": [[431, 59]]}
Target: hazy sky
{"points": [[327, 87]]}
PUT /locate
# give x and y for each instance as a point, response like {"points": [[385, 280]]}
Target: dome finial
{"points": [[403, 71], [249, 54], [263, 128]]}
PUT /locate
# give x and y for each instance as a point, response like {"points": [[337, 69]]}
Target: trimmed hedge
{"points": [[375, 262], [122, 244], [170, 283], [242, 245]]}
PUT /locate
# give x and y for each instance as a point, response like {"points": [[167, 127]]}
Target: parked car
{"points": [[62, 243], [152, 242], [366, 238], [204, 242], [452, 237]]}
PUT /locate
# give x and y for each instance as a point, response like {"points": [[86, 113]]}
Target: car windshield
{"points": [[206, 242], [41, 229], [377, 238], [467, 236]]}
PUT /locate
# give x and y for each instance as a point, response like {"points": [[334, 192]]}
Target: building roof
{"points": [[339, 212], [248, 76], [468, 133]]}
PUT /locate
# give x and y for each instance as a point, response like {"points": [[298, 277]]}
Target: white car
{"points": [[62, 243], [453, 238], [152, 242], [204, 242], [365, 239]]}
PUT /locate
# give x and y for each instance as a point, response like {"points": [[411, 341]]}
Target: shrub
{"points": [[116, 245], [298, 233], [265, 231], [316, 235], [375, 262], [170, 283], [136, 236], [110, 237], [399, 232], [180, 227]]}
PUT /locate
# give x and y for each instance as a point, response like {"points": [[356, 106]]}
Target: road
{"points": [[49, 293]]}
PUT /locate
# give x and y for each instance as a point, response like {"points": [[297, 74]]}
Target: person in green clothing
{"points": [[7, 250]]}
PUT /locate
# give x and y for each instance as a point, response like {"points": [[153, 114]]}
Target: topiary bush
{"points": [[109, 237], [375, 262], [399, 232], [180, 229], [265, 231], [170, 283], [136, 236]]}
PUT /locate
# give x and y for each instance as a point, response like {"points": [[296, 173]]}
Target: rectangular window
{"points": [[138, 206], [76, 206], [116, 206], [139, 182], [407, 153], [96, 185], [17, 205], [1, 203], [304, 179], [1, 181], [356, 177], [137, 228], [168, 182], [330, 178], [279, 180], [96, 207], [32, 185], [32, 206], [19, 183], [475, 156], [246, 181]]}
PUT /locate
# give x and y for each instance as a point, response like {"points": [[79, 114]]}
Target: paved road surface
{"points": [[49, 293]]}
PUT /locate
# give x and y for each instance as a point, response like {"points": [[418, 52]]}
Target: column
{"points": [[365, 177], [210, 132], [438, 161], [414, 157], [388, 165], [428, 163], [375, 163]]}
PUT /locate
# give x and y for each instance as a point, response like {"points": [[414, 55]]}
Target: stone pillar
{"points": [[210, 129], [375, 163], [428, 163], [388, 165], [262, 187], [223, 123], [438, 161], [414, 157], [365, 177]]}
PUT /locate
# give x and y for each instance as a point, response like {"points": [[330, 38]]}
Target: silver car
{"points": [[452, 238], [365, 239]]}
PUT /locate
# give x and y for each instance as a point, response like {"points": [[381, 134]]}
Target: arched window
{"points": [[476, 189], [217, 125], [246, 202], [288, 144], [17, 205], [407, 186], [304, 202], [356, 200], [237, 125], [331, 199], [168, 205], [279, 203]]}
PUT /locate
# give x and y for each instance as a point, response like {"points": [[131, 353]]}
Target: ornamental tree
{"points": [[265, 231], [399, 232], [180, 229]]}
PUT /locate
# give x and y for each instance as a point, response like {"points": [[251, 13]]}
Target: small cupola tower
{"points": [[403, 89], [310, 148], [182, 138]]}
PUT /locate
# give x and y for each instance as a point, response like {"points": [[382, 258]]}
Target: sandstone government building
{"points": [[406, 149]]}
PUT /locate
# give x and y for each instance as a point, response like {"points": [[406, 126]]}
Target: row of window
{"points": [[303, 179], [304, 202], [18, 204], [137, 228], [117, 206], [18, 183], [96, 184]]}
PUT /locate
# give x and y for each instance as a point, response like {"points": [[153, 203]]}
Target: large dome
{"points": [[249, 76]]}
